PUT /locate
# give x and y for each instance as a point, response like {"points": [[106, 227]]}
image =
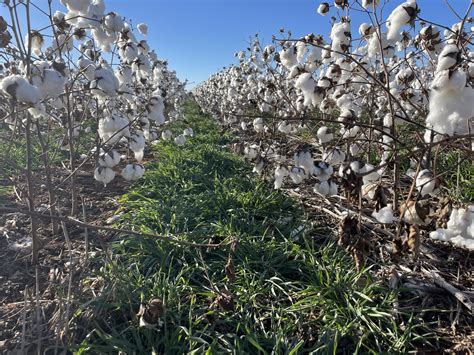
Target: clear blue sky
{"points": [[199, 37]]}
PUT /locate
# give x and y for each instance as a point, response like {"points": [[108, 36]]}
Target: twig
{"points": [[459, 295]]}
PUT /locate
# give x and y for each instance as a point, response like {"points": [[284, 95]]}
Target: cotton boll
{"points": [[180, 140], [426, 182], [369, 4], [166, 135], [251, 152], [87, 67], [324, 135], [448, 57], [137, 145], [280, 173], [109, 159], [334, 156], [133, 172], [258, 124], [323, 8], [104, 174], [304, 160], [284, 127], [142, 28], [188, 132], [37, 41], [112, 128], [50, 83], [105, 83], [384, 215], [326, 188], [288, 57], [297, 175], [400, 16], [113, 22], [322, 170], [19, 89], [128, 51]]}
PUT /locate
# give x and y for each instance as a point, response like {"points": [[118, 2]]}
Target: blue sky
{"points": [[199, 37]]}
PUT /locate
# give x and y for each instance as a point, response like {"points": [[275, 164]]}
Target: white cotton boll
{"points": [[137, 144], [334, 156], [448, 57], [323, 8], [133, 172], [284, 127], [103, 40], [460, 228], [180, 140], [307, 85], [341, 38], [326, 188], [243, 126], [372, 176], [109, 159], [37, 42], [384, 215], [400, 16], [258, 124], [251, 152], [450, 104], [129, 51], [425, 182], [38, 111], [112, 128], [104, 174], [297, 175], [280, 173], [355, 149], [166, 135], [369, 4], [305, 161], [143, 47], [19, 89], [142, 28], [114, 22], [288, 57], [324, 135], [258, 167], [87, 67], [323, 170], [188, 132], [105, 82], [366, 29], [50, 83], [63, 43]]}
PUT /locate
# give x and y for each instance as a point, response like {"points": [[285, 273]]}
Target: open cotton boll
{"points": [[426, 182], [258, 124], [166, 134], [323, 8], [448, 57], [288, 57], [303, 159], [400, 16], [460, 228], [142, 28], [133, 172], [334, 156], [50, 83], [369, 173], [326, 188], [112, 128], [450, 105], [137, 145], [341, 38], [109, 159], [369, 4], [322, 170], [297, 175], [324, 135], [284, 127], [37, 41], [128, 51], [113, 22], [251, 152], [188, 132], [180, 140], [19, 89], [280, 173], [105, 83], [104, 174], [384, 215], [87, 67]]}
